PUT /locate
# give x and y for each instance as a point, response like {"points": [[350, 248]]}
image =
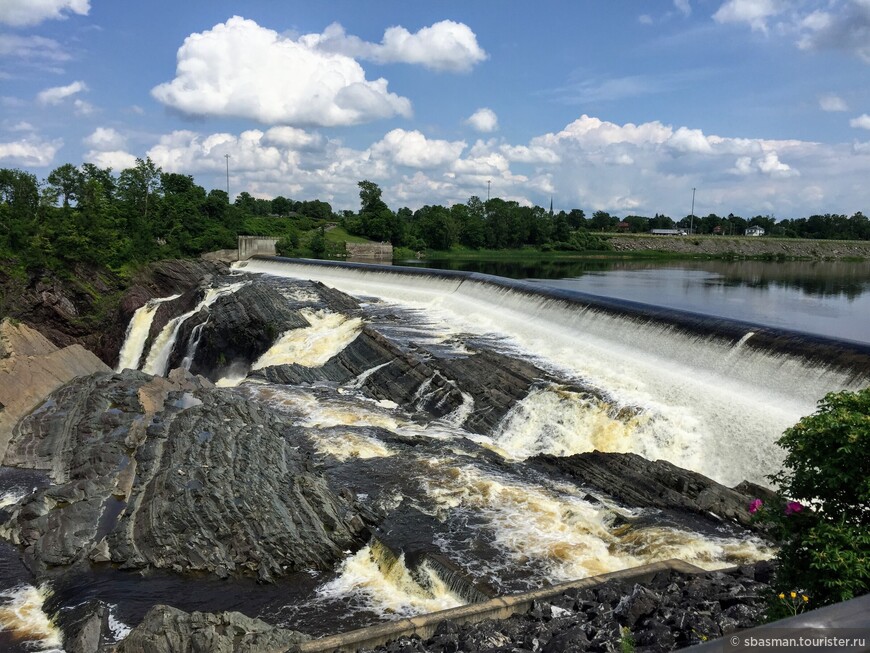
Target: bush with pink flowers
{"points": [[823, 524]]}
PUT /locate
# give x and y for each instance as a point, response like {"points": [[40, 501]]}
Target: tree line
{"points": [[90, 215]]}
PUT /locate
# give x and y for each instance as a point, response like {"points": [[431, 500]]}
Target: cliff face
{"points": [[30, 368], [92, 307]]}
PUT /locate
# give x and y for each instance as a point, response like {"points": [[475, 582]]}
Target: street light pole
{"points": [[692, 218], [227, 157]]}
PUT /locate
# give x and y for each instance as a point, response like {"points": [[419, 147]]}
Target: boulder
{"points": [[168, 630], [171, 473]]}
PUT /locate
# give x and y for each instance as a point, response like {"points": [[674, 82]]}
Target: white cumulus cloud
{"points": [[31, 12], [115, 159], [444, 46], [483, 120], [861, 122], [104, 139], [241, 69], [58, 94], [413, 149], [753, 12], [831, 102], [29, 152]]}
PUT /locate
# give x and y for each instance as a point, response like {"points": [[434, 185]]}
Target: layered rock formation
{"points": [[30, 368], [638, 482], [173, 474]]}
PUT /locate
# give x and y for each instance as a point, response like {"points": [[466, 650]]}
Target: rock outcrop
{"points": [[638, 482], [30, 368], [171, 473], [169, 630], [420, 383]]}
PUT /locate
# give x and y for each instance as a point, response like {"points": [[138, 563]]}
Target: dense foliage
{"points": [[823, 523], [89, 215]]}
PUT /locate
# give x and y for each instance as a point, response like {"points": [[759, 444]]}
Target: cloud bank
{"points": [[240, 69], [20, 13]]}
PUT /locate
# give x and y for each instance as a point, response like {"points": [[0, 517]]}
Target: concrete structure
{"points": [[424, 626], [362, 252], [256, 246]]}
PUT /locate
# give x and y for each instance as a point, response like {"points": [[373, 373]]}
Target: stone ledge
{"points": [[424, 626]]}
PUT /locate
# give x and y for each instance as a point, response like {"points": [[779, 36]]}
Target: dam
{"points": [[715, 393], [436, 421]]}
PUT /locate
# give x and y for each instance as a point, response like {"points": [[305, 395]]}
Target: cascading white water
{"points": [[312, 346], [161, 348], [137, 333], [22, 613], [708, 406]]}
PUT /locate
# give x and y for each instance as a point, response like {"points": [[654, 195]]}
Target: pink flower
{"points": [[755, 506], [793, 507]]}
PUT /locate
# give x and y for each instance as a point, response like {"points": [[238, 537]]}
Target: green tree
{"points": [[823, 522], [66, 181]]}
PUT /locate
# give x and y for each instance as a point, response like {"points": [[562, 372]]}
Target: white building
{"points": [[755, 231]]}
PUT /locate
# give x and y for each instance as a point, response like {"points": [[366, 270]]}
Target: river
{"points": [[828, 298]]}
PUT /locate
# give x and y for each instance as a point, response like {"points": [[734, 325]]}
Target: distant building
{"points": [[668, 232], [717, 229], [755, 231], [623, 226]]}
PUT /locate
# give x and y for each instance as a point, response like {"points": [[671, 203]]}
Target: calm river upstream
{"points": [[830, 298]]}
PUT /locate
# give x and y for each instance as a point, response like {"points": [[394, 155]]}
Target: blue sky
{"points": [[762, 105]]}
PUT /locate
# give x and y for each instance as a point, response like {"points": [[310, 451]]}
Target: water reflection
{"points": [[830, 298], [822, 278]]}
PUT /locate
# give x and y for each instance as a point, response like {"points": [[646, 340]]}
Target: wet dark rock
{"points": [[170, 473], [239, 328], [420, 383], [671, 611], [637, 605], [169, 630], [84, 628], [639, 482]]}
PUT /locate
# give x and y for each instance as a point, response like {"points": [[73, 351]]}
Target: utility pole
{"points": [[227, 157], [488, 184], [692, 218]]}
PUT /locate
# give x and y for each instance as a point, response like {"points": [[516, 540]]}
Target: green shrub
{"points": [[823, 523]]}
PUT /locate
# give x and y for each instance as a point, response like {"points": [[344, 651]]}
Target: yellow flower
{"points": [[805, 597], [794, 595], [781, 595]]}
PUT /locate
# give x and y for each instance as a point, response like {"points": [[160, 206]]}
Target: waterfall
{"points": [[164, 343], [711, 398], [312, 346], [137, 333]]}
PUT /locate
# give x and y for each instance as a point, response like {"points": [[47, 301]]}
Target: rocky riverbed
{"points": [[334, 462]]}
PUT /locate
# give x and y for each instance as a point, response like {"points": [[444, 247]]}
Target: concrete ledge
{"points": [[424, 626]]}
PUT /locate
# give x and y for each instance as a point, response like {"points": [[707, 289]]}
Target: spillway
{"points": [[713, 394]]}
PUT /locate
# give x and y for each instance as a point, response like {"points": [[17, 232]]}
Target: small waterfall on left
{"points": [[137, 333], [161, 348]]}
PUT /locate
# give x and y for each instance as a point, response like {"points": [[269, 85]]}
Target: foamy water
{"points": [[137, 334], [161, 349], [386, 586], [561, 535], [312, 346], [711, 407], [22, 615]]}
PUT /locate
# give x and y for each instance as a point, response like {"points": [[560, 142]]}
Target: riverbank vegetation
{"points": [[89, 215]]}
